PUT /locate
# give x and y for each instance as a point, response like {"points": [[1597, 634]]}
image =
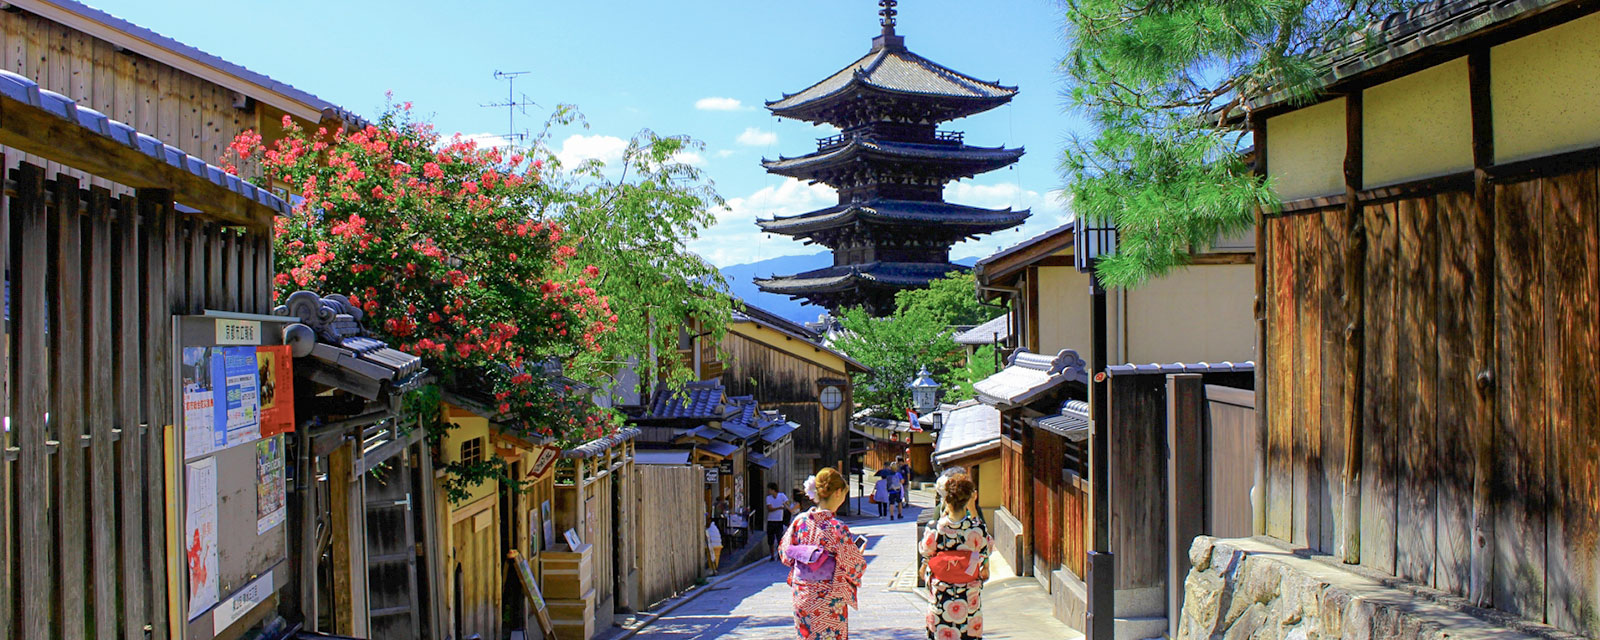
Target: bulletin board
{"points": [[234, 382]]}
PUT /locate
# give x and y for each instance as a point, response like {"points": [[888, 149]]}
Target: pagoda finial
{"points": [[887, 14]]}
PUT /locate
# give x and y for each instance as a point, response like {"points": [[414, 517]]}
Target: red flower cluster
{"points": [[444, 245]]}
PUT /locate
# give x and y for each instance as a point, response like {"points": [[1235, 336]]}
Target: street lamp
{"points": [[924, 392]]}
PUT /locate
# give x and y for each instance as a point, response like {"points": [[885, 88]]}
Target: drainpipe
{"points": [[1101, 616]]}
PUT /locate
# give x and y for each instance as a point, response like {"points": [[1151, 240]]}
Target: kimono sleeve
{"points": [[929, 544], [786, 541]]}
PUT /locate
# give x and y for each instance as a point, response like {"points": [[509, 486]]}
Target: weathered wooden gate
{"points": [[94, 280], [392, 551], [1231, 448]]}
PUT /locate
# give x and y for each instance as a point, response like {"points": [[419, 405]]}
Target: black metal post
{"points": [[1101, 617]]}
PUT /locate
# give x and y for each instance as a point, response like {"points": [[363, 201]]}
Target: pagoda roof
{"points": [[973, 159], [847, 277], [971, 220], [892, 69]]}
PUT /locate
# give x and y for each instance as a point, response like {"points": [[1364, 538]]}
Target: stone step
{"points": [[1139, 628]]}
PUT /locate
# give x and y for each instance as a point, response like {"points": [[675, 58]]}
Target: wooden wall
{"points": [[1418, 386], [669, 558], [83, 538], [180, 109], [788, 383]]}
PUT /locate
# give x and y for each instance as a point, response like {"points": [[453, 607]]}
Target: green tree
{"points": [[950, 300], [920, 333], [1164, 85]]}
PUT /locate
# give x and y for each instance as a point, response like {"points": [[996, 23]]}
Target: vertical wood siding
{"points": [[1419, 386]]}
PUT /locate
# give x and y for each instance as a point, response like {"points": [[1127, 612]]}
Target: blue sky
{"points": [[697, 67]]}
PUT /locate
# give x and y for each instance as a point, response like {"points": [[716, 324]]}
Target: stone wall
{"points": [[1261, 589], [1008, 540]]}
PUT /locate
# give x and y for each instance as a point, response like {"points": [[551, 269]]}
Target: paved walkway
{"points": [[756, 604]]}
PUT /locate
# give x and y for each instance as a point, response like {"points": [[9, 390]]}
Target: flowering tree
{"points": [[450, 252]]}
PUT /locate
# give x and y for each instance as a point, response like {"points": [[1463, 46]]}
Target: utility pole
{"points": [[514, 103]]}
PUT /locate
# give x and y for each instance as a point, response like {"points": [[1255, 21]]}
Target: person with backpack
{"points": [[897, 486], [956, 551], [825, 561]]}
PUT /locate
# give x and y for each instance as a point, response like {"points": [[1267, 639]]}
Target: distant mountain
{"points": [[741, 281]]}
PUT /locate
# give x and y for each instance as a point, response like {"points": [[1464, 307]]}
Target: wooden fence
{"points": [[672, 549], [94, 282], [1512, 273]]}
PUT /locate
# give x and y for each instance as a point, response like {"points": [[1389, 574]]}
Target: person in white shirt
{"points": [[777, 505], [713, 545]]}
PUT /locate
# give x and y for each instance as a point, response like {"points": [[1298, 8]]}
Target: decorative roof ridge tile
{"points": [[1180, 367]]}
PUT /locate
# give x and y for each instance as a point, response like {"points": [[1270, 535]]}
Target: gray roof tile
{"points": [[1028, 375]]}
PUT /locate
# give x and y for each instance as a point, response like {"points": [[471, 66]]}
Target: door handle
{"points": [[406, 502]]}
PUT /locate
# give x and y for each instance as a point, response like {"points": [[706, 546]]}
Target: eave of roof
{"points": [[1012, 259], [847, 277], [1027, 376], [955, 157], [171, 52], [978, 220], [767, 319], [1180, 367], [996, 330]]}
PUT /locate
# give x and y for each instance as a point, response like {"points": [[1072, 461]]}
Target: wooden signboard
{"points": [[547, 458], [531, 588]]}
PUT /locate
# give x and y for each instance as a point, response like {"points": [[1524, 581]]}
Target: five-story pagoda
{"points": [[892, 229]]}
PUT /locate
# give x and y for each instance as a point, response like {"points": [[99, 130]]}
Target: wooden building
{"points": [[970, 439], [892, 229], [163, 88], [1045, 524], [1430, 293]]}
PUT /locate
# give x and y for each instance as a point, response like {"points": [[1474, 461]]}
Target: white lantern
{"points": [[924, 392]]}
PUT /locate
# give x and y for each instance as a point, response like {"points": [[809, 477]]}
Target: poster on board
{"points": [[270, 509], [275, 389], [240, 410], [200, 535], [201, 374]]}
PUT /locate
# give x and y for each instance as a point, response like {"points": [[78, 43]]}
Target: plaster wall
{"points": [[1417, 126], [1199, 314], [1305, 151], [1063, 310], [466, 428], [1545, 91]]}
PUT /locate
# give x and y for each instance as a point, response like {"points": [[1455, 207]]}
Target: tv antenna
{"points": [[514, 104]]}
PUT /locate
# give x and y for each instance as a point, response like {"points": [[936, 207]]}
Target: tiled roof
{"points": [[998, 329], [777, 430], [1029, 375], [706, 432], [1405, 33], [842, 278], [757, 315], [967, 430], [598, 446], [761, 460], [1180, 367], [342, 344], [738, 430], [695, 401], [896, 70], [27, 91], [977, 220], [962, 159], [719, 449], [1072, 423], [662, 456]]}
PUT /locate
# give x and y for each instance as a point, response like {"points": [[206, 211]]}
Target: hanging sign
{"points": [[542, 464]]}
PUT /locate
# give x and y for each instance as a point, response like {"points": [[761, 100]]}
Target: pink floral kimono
{"points": [[820, 608]]}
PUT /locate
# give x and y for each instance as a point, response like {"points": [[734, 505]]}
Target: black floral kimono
{"points": [[956, 613]]}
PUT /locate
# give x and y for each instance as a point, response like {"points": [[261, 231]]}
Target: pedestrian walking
{"points": [[905, 479], [713, 545], [825, 562], [778, 505], [880, 496], [897, 485], [956, 551]]}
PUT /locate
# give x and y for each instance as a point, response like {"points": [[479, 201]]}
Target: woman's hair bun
{"points": [[829, 482]]}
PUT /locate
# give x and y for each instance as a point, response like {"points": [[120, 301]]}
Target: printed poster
{"points": [[275, 388], [200, 535], [201, 374], [239, 407], [270, 509]]}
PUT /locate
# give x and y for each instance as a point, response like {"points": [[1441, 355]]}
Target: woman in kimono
{"points": [[821, 605], [956, 612]]}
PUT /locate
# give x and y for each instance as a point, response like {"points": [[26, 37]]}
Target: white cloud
{"points": [[723, 153], [578, 148], [1049, 211], [690, 158], [755, 137], [715, 103], [735, 239]]}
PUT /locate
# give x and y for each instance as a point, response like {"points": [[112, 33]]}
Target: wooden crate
{"points": [[574, 618], [567, 574]]}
